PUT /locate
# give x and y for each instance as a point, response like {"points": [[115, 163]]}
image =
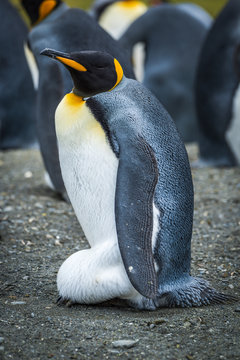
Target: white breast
{"points": [[118, 16], [89, 170]]}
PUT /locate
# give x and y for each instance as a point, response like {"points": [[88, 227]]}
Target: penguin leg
{"points": [[94, 275]]}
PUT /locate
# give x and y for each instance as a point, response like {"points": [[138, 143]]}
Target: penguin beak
{"points": [[54, 54], [64, 58]]}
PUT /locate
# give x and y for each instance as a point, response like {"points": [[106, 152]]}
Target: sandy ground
{"points": [[38, 232]]}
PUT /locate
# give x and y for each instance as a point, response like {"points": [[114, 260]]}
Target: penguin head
{"points": [[92, 72], [37, 10]]}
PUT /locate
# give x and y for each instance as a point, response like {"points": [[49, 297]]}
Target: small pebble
{"points": [[201, 270], [8, 208], [38, 205], [57, 243], [160, 321], [237, 309], [124, 343], [88, 337], [18, 302], [112, 351], [28, 174], [1, 340], [1, 348]]}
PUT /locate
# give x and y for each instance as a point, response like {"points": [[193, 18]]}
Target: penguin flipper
{"points": [[136, 181]]}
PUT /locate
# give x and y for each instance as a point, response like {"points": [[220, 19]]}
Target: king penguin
{"points": [[57, 25], [218, 92], [17, 94], [128, 178], [173, 36]]}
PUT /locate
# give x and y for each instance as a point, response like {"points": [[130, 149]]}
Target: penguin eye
{"points": [[100, 67]]}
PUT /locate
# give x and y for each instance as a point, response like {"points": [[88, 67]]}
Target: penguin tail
{"points": [[196, 292]]}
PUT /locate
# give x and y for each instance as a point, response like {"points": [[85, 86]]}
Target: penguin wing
{"points": [[136, 181]]}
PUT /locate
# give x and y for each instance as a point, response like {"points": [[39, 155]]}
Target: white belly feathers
{"points": [[89, 169]]}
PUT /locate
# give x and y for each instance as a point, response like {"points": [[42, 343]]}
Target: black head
{"points": [[37, 10], [92, 72]]}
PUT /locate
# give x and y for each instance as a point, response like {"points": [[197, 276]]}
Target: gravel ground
{"points": [[38, 232]]}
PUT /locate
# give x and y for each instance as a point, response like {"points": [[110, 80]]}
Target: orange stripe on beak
{"points": [[73, 64]]}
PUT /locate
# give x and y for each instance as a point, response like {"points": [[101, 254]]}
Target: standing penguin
{"points": [[217, 98], [173, 36], [57, 25], [17, 94], [127, 175]]}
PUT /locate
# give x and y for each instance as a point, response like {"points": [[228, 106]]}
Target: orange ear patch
{"points": [[73, 64], [119, 72], [45, 8]]}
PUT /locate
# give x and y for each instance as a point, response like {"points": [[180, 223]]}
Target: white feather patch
{"points": [[233, 133], [32, 65]]}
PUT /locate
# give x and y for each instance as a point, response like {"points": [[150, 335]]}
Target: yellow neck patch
{"points": [[131, 4], [74, 100], [119, 72], [75, 122], [73, 64], [45, 8], [68, 113]]}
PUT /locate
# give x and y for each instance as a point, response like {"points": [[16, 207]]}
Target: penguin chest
{"points": [[119, 15], [89, 169]]}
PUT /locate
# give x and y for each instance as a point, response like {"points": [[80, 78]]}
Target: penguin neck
{"points": [[78, 98], [75, 98], [77, 93]]}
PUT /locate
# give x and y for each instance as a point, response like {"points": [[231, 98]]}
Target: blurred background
{"points": [[212, 6]]}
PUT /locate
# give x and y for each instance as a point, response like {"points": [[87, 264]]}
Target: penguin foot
{"points": [[144, 304], [197, 292], [61, 301]]}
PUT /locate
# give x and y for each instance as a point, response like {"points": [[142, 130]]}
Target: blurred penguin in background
{"points": [[58, 26], [218, 92], [115, 17], [17, 94], [173, 36]]}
